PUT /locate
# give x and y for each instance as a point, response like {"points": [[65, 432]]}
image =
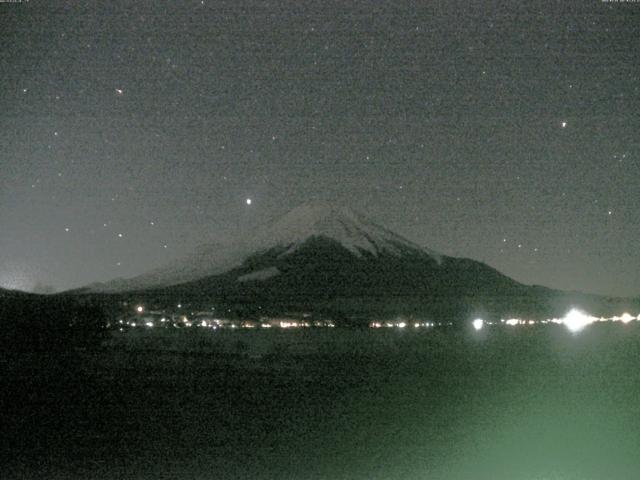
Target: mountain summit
{"points": [[350, 229]]}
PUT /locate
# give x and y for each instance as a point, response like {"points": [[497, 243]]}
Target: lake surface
{"points": [[502, 403]]}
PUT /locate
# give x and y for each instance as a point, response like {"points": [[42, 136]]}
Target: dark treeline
{"points": [[49, 323], [44, 389]]}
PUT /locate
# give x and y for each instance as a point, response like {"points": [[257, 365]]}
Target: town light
{"points": [[478, 323], [576, 320], [626, 318]]}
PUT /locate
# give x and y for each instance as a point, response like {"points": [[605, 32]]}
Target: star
{"points": [[119, 92], [564, 124], [120, 235], [248, 201]]}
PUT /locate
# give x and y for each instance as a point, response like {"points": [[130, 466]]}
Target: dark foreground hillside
{"points": [[497, 404]]}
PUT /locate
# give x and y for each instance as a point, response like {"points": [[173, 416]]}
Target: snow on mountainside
{"points": [[350, 229], [263, 274]]}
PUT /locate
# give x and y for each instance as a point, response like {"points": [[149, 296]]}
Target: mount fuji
{"points": [[331, 260], [339, 225]]}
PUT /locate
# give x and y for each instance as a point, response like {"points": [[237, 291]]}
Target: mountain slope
{"points": [[207, 260], [321, 274]]}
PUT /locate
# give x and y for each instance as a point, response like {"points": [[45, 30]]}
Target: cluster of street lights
{"points": [[575, 320]]}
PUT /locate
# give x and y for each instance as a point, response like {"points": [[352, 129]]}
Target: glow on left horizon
{"points": [[16, 278]]}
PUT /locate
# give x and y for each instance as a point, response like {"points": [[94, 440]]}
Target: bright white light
{"points": [[576, 320], [478, 323], [512, 321], [402, 325], [248, 201], [139, 309], [626, 318], [149, 324], [564, 124]]}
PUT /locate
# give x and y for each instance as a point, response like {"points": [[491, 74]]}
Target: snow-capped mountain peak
{"points": [[349, 228]]}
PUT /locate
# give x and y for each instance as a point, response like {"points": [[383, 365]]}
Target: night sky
{"points": [[507, 132]]}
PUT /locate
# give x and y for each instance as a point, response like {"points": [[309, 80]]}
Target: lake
{"points": [[502, 403]]}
